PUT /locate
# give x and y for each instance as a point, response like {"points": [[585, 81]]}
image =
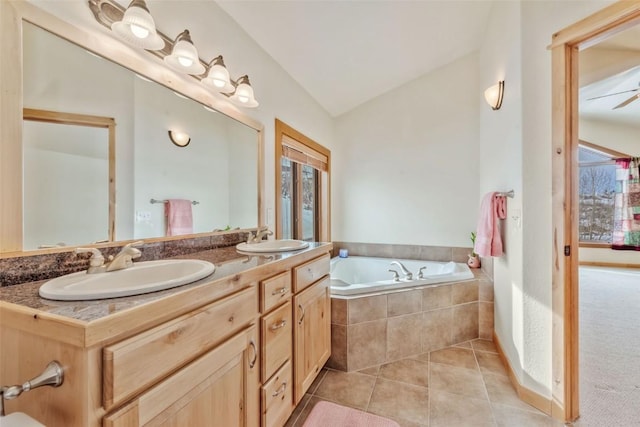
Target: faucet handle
{"points": [[96, 259], [396, 276], [420, 274]]}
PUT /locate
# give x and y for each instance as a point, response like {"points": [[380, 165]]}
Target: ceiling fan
{"points": [[624, 103]]}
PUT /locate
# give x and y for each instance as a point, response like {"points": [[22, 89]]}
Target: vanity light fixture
{"points": [[494, 95], [180, 139], [138, 28], [243, 95], [218, 76], [184, 56]]}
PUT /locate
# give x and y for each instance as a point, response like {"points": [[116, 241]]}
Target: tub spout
{"points": [[407, 274]]}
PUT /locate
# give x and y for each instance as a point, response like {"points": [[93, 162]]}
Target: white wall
{"points": [[405, 166], [529, 336], [501, 168]]}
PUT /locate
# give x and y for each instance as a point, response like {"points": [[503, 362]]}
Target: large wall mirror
{"points": [[219, 170]]}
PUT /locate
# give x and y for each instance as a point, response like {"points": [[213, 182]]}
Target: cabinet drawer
{"points": [[275, 290], [135, 363], [307, 273], [276, 340], [277, 403]]}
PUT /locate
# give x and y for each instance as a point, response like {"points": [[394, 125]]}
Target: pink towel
{"points": [[179, 217], [327, 414], [488, 240]]}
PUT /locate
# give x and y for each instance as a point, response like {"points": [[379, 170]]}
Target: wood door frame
{"points": [[87, 120], [565, 48]]}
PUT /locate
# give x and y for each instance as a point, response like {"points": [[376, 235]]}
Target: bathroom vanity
{"points": [[238, 348]]}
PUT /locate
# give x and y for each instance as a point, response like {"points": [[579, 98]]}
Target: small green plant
{"points": [[473, 243]]}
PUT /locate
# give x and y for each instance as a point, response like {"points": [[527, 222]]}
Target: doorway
{"points": [[565, 47]]}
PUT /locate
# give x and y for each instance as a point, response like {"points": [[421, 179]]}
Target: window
{"points": [[596, 188], [302, 172]]}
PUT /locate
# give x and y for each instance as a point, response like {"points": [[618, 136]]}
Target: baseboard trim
{"points": [[529, 396], [608, 264]]}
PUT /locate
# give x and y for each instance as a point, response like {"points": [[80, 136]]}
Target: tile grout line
{"points": [[484, 384]]}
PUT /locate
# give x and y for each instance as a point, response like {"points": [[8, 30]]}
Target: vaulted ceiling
{"points": [[346, 52]]}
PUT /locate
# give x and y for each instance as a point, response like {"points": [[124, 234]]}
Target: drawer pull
{"points": [[252, 363], [301, 317], [278, 325], [280, 390], [280, 291]]}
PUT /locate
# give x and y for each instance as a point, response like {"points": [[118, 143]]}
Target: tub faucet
{"points": [[407, 274]]}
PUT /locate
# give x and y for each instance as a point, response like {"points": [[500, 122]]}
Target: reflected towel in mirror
{"points": [[179, 217]]}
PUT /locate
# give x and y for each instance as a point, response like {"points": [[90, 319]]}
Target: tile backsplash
{"points": [[30, 268]]}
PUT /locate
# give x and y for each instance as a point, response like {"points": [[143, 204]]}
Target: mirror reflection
{"points": [[218, 169]]}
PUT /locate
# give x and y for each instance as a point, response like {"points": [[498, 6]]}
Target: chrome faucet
{"points": [[259, 235], [124, 258], [407, 274]]}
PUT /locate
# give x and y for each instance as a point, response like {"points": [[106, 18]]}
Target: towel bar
{"points": [[152, 201]]}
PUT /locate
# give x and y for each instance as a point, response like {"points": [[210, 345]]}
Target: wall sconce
{"points": [[184, 55], [494, 95], [243, 95], [138, 28], [218, 76], [180, 139]]}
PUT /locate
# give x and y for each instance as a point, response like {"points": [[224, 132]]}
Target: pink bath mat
{"points": [[327, 414]]}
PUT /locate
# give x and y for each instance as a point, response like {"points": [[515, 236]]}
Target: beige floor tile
{"points": [[406, 371], [400, 401], [424, 357], [449, 410], [453, 379], [314, 385], [347, 388], [484, 345], [506, 416], [297, 411], [455, 356], [466, 344], [501, 391], [375, 370], [490, 363]]}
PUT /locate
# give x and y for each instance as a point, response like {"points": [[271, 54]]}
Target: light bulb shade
{"points": [[137, 27], [184, 56], [243, 96], [494, 95], [180, 139], [218, 77]]}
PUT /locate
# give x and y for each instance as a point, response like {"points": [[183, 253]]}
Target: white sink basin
{"points": [[19, 419], [267, 246], [141, 278]]}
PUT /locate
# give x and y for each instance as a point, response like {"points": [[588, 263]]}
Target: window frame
{"points": [[323, 179]]}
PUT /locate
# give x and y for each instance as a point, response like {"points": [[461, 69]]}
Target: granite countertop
{"points": [[227, 260]]}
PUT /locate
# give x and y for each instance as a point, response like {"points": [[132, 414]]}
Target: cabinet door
{"points": [[312, 335], [219, 388]]}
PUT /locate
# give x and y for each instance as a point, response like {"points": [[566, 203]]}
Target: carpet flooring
{"points": [[609, 347]]}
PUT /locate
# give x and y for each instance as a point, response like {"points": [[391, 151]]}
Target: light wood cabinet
{"points": [[238, 351], [312, 334], [212, 390]]}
